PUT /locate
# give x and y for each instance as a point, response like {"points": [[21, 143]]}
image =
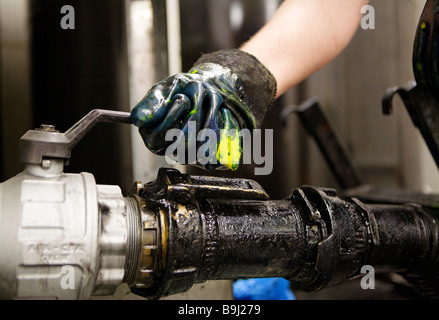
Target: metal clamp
{"points": [[172, 184]]}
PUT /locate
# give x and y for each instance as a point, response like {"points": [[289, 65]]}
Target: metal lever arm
{"points": [[46, 142], [83, 126]]}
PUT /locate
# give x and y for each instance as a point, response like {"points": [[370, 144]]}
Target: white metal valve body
{"points": [[61, 235]]}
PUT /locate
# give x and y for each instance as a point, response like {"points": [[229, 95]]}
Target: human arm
{"points": [[303, 36], [234, 89]]}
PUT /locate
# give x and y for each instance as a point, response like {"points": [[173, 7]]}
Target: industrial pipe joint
{"points": [[65, 237], [181, 230], [215, 228]]}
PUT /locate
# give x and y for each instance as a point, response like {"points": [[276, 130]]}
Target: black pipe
{"points": [[314, 238]]}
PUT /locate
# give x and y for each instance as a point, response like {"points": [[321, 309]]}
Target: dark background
{"points": [[75, 71]]}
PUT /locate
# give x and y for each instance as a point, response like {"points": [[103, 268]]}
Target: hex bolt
{"points": [[47, 127], [45, 164], [314, 233]]}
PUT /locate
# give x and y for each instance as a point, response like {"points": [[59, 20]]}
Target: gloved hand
{"points": [[224, 90]]}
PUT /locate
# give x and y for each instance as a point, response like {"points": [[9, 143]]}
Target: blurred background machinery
{"points": [[118, 49]]}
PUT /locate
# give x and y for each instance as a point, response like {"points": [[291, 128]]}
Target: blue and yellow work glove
{"points": [[224, 90]]}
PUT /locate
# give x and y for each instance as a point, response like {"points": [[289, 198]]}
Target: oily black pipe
{"points": [[314, 238]]}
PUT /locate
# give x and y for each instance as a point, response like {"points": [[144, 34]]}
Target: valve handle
{"points": [[47, 143]]}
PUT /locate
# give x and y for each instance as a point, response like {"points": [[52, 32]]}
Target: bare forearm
{"points": [[303, 36]]}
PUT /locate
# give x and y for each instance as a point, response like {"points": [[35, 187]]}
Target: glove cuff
{"points": [[257, 84]]}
